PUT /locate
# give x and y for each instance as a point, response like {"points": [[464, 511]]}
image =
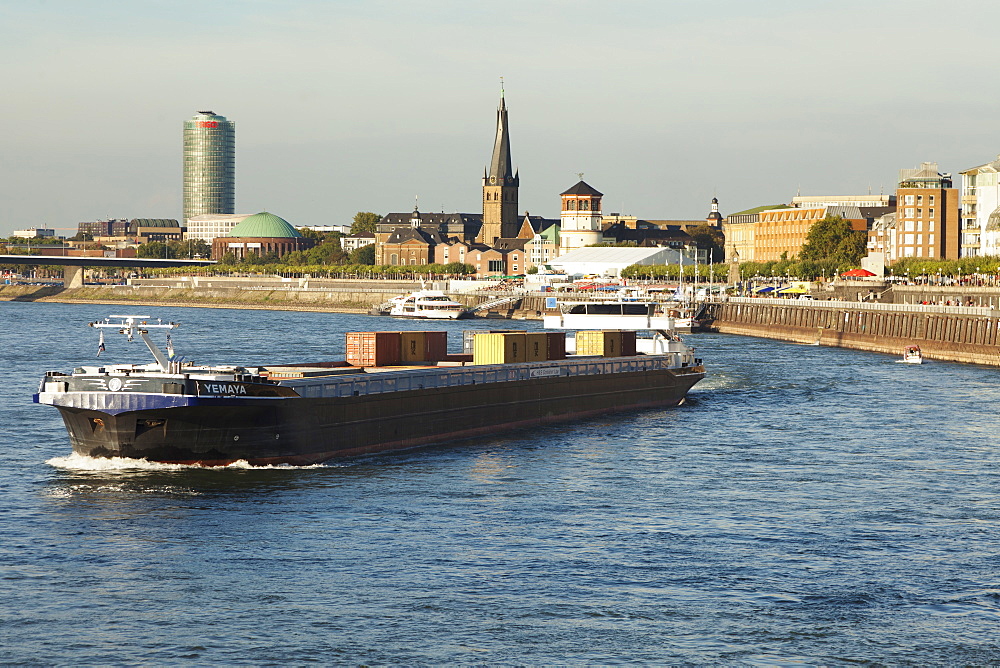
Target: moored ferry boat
{"points": [[609, 314], [168, 411], [430, 304]]}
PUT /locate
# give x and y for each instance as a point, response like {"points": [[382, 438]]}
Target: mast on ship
{"points": [[132, 325]]}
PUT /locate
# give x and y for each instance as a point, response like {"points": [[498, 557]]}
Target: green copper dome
{"points": [[264, 225]]}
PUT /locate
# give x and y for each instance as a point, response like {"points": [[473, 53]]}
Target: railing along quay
{"points": [[868, 306]]}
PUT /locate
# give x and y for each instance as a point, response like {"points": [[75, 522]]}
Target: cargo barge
{"points": [[395, 390]]}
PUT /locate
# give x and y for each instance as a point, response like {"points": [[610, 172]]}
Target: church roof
{"points": [[539, 223], [510, 244], [264, 225], [391, 220], [582, 188], [403, 234]]}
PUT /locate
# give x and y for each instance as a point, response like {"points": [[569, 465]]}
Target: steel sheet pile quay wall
{"points": [[960, 337]]}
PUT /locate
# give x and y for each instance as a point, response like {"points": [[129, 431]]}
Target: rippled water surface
{"points": [[808, 506]]}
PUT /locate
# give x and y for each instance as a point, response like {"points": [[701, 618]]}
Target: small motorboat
{"points": [[912, 355]]}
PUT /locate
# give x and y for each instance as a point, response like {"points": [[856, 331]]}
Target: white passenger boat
{"points": [[431, 304]]}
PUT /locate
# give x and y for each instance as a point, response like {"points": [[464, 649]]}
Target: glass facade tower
{"points": [[209, 165]]}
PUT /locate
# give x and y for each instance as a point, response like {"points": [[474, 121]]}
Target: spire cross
{"points": [[580, 175]]}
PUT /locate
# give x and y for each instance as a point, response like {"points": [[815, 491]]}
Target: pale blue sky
{"points": [[343, 106]]}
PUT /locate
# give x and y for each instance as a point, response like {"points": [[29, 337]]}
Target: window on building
{"points": [[920, 213], [920, 199], [930, 225], [931, 200], [920, 251], [908, 225], [908, 239], [920, 226], [920, 240], [394, 259], [571, 205], [930, 213], [584, 205], [909, 199], [495, 265], [909, 213], [514, 268], [930, 240]]}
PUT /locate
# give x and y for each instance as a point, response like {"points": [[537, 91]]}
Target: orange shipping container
{"points": [[373, 348]]}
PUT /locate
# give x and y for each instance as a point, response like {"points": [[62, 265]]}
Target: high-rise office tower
{"points": [[209, 165]]}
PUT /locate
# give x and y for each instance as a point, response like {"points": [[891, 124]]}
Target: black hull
{"points": [[304, 431]]}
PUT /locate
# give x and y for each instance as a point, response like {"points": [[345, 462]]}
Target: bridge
{"points": [[74, 265]]}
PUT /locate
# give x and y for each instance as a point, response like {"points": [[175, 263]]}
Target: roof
{"points": [[845, 212], [510, 244], [402, 235], [758, 209], [264, 225], [582, 188], [540, 223], [620, 233], [155, 222], [219, 216], [993, 165], [361, 235]]}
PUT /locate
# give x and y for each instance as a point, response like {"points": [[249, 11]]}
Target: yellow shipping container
{"points": [[607, 343], [498, 348], [413, 346]]}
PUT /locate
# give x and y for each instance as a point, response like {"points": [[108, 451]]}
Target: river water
{"points": [[808, 506]]}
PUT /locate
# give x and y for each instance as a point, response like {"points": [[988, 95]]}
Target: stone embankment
{"points": [[335, 296], [959, 334]]}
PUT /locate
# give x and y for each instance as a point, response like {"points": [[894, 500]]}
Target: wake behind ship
{"points": [[395, 390]]}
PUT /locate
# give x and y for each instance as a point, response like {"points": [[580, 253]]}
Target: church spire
{"points": [[500, 186], [501, 172]]}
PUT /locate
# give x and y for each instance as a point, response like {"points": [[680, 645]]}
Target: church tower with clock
{"points": [[500, 182]]}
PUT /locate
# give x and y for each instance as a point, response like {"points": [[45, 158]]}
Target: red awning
{"points": [[858, 273]]}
